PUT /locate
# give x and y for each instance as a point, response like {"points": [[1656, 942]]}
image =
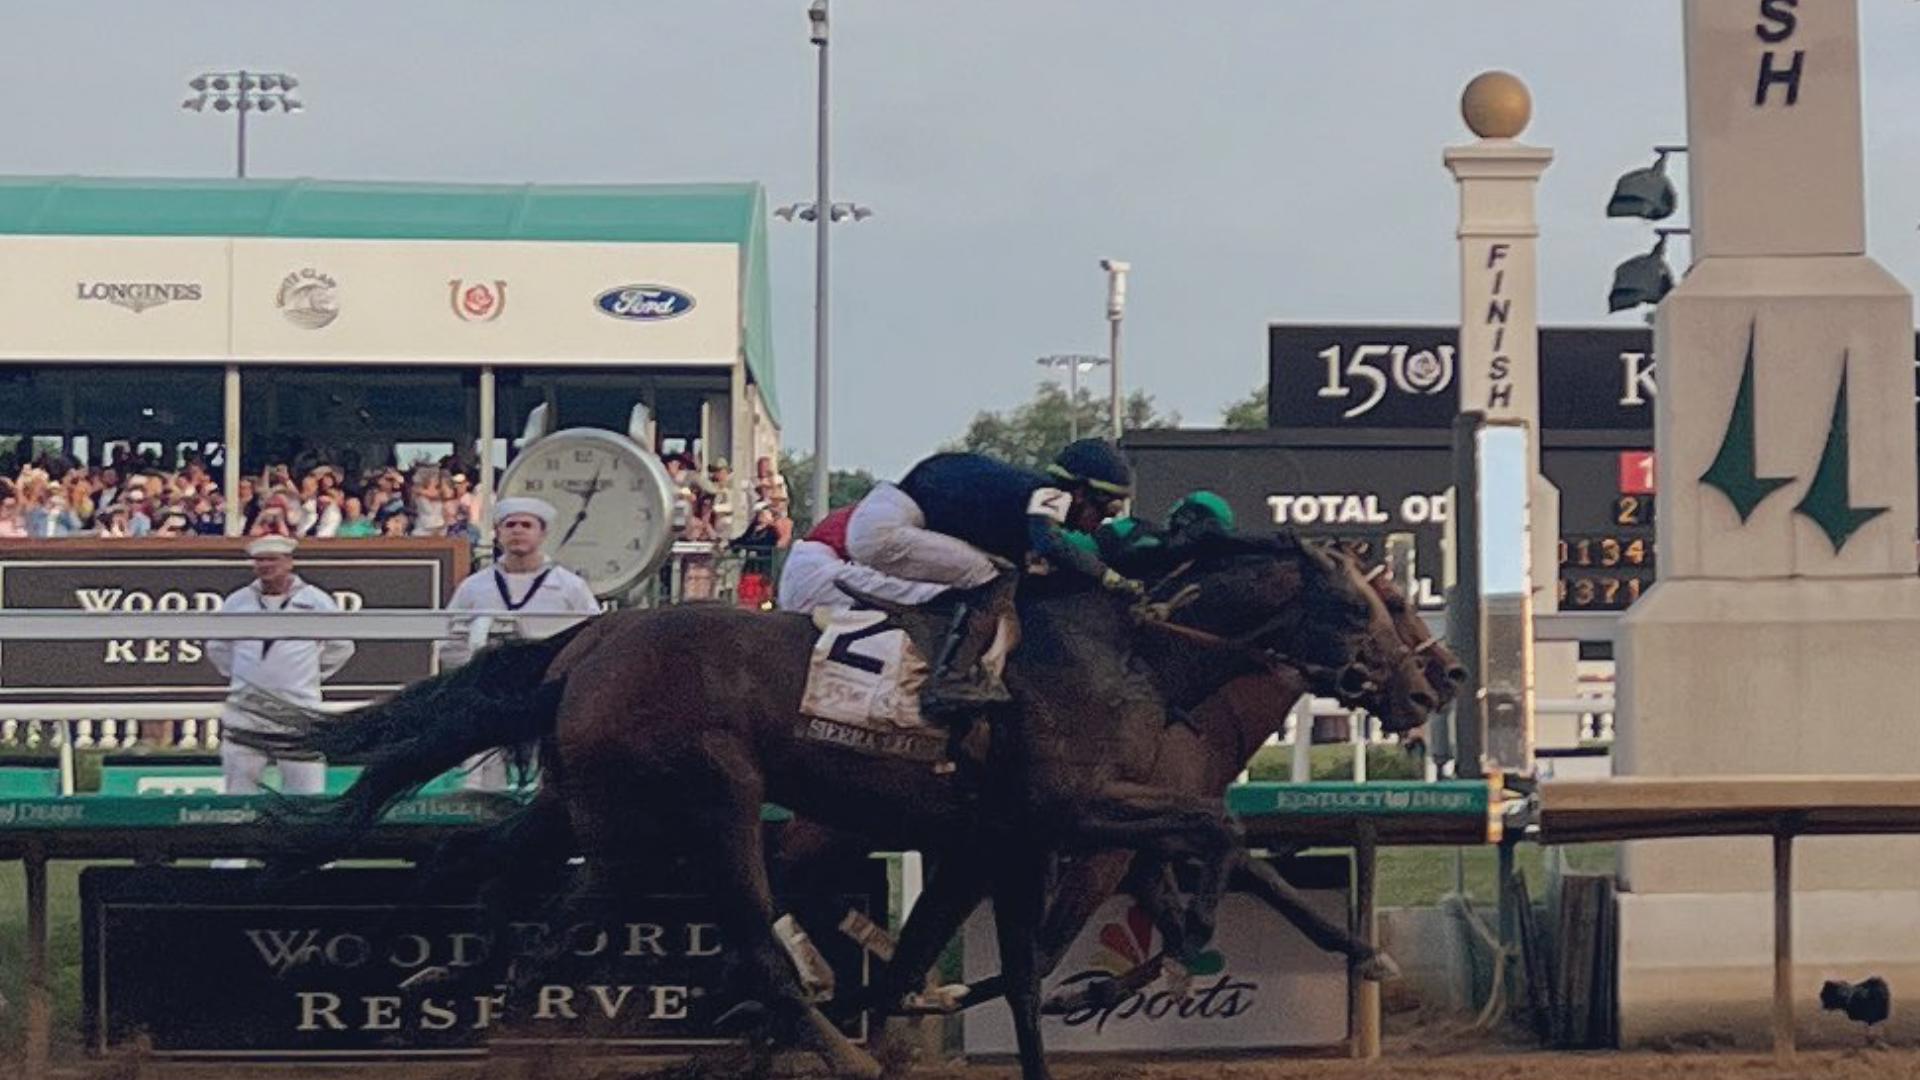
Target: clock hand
{"points": [[593, 488]]}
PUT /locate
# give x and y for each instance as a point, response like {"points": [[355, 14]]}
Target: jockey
{"points": [[953, 513], [1197, 514], [810, 578]]}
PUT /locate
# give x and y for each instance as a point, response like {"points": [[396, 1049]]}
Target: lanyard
{"points": [[506, 596]]}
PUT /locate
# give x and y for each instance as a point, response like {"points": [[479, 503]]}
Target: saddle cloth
{"points": [[863, 689]]}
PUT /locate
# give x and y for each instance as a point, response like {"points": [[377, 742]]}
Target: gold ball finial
{"points": [[1496, 105]]}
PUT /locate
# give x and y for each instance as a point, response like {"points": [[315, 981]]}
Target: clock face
{"points": [[614, 513]]}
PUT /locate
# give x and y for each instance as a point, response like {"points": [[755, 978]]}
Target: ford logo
{"points": [[645, 303]]}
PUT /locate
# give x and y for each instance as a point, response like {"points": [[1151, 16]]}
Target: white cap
{"points": [[521, 504], [271, 545]]}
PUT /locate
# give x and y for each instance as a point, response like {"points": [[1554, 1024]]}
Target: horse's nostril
{"points": [[1457, 674], [1425, 701], [1353, 679]]}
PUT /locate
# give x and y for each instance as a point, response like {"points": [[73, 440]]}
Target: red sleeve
{"points": [[832, 530]]}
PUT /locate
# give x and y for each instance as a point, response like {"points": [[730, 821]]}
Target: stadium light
{"points": [[242, 92], [1646, 192], [1643, 279], [1074, 364]]}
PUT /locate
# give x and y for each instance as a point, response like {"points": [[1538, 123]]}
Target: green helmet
{"points": [[1200, 511]]}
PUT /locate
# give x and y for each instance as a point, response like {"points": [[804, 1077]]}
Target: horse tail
{"points": [[500, 699]]}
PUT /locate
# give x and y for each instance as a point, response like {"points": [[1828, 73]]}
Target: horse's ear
{"points": [[1319, 558]]}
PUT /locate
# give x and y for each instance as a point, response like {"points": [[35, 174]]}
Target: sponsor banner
{"points": [[140, 299], [118, 298], [361, 964], [142, 812], [462, 301], [196, 575], [1261, 985]]}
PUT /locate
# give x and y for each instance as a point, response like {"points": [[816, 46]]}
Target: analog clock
{"points": [[614, 503]]}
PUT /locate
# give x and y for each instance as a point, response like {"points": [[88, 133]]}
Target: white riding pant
{"points": [[241, 768], [889, 533], [809, 581]]}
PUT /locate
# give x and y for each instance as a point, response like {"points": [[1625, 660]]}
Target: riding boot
{"points": [[952, 688]]}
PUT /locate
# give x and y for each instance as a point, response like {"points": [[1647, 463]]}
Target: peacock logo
{"points": [[1211, 993], [1128, 943]]}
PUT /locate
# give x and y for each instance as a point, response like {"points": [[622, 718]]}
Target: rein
{"points": [[1266, 656]]}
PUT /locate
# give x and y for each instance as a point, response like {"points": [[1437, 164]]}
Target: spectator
{"points": [[396, 522], [353, 523], [429, 502], [465, 497], [113, 523], [13, 523], [782, 523], [768, 484], [326, 516], [679, 470], [761, 537], [720, 482]]}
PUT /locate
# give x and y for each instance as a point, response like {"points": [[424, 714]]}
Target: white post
{"points": [[1499, 178], [483, 483], [1303, 739]]}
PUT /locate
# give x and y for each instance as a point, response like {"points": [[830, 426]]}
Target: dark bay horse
{"points": [[677, 724]]}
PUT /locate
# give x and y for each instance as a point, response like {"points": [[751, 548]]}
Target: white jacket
{"points": [[293, 669], [560, 591]]}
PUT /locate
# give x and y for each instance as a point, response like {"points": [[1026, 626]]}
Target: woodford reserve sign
{"points": [[196, 574], [362, 963]]}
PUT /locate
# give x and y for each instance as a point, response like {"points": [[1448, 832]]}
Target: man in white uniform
{"points": [[291, 669], [521, 579]]}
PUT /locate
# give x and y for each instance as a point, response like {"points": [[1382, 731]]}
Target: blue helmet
{"points": [[1096, 463]]}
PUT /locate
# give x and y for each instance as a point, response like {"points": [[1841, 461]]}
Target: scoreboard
{"points": [[1330, 484], [1359, 437]]}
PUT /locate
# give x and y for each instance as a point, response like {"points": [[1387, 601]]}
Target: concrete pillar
{"points": [[1781, 635], [1499, 179]]}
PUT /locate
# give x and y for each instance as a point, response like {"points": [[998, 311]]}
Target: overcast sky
{"points": [[1254, 159]]}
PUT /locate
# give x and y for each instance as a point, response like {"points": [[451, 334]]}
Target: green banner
{"points": [[1451, 798]]}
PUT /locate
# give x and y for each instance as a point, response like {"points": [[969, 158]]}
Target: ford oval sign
{"points": [[644, 303]]}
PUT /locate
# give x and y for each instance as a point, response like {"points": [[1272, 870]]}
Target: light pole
{"points": [[242, 92], [817, 19], [1116, 310], [1074, 363]]}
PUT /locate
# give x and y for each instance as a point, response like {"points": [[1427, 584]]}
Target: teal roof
{"points": [[354, 210]]}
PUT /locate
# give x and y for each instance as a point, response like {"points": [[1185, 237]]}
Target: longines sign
{"points": [[109, 576], [360, 965]]}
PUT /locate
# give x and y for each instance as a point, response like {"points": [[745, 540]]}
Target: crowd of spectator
{"points": [[133, 496]]}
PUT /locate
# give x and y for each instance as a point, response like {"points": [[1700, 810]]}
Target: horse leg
{"points": [[1087, 884], [958, 884], [1173, 827], [1263, 881], [1019, 902], [730, 818]]}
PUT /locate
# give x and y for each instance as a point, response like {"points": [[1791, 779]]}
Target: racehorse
{"points": [[680, 723]]}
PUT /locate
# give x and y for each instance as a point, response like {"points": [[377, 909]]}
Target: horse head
{"points": [[1295, 603], [1444, 671]]}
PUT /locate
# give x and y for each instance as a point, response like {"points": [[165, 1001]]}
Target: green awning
{"points": [[348, 210]]}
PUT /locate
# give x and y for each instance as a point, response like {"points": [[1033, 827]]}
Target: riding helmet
{"points": [[1096, 463], [1200, 510]]}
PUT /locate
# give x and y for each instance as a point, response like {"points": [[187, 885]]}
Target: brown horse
{"points": [[1203, 758], [679, 723]]}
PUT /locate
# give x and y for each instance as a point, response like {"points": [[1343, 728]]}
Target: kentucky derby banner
{"points": [[1261, 985], [114, 576], [356, 964]]}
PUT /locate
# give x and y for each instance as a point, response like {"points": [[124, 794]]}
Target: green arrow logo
{"points": [[1828, 502], [1734, 472]]}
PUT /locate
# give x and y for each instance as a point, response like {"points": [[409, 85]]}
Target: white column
{"points": [[483, 483], [1781, 635], [1499, 179]]}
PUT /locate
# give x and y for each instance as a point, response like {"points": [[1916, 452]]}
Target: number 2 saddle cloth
{"points": [[863, 687]]}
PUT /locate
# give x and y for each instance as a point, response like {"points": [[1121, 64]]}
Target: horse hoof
{"points": [[947, 1000], [1379, 968]]}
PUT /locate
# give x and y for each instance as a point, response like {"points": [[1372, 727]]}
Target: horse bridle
{"points": [[1373, 578], [1323, 678]]}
